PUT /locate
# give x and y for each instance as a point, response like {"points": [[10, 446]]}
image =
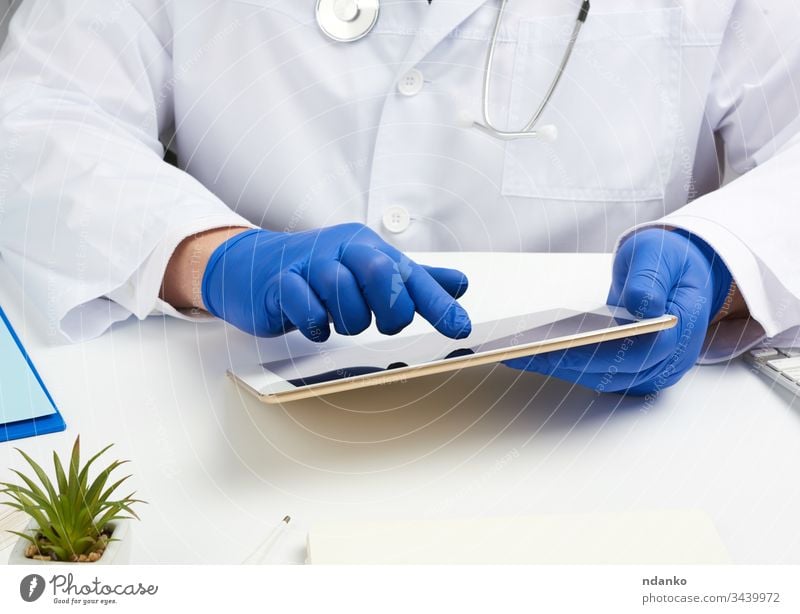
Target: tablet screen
{"points": [[393, 353]]}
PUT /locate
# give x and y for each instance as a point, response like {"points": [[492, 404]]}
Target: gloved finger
{"points": [[431, 300], [454, 282], [338, 290], [658, 381], [300, 305], [643, 278], [381, 283]]}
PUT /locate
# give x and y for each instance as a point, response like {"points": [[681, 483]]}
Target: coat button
{"points": [[411, 83], [396, 219]]}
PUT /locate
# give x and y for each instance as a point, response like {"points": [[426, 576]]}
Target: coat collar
{"points": [[443, 17]]}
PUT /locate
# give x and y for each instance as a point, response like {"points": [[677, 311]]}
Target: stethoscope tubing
{"points": [[528, 131], [547, 133]]}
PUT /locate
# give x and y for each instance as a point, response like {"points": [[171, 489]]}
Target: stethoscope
{"points": [[346, 21]]}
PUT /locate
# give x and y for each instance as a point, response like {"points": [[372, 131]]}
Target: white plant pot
{"points": [[116, 553]]}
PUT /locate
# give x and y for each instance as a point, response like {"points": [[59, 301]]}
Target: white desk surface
{"points": [[219, 469]]}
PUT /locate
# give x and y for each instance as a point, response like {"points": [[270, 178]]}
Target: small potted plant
{"points": [[73, 519]]}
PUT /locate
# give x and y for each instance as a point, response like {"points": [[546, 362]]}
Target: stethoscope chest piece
{"points": [[347, 20]]}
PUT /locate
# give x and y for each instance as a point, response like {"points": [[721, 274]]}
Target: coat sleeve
{"points": [[86, 201], [753, 222]]}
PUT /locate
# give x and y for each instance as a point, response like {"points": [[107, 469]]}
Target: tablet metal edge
{"points": [[403, 373]]}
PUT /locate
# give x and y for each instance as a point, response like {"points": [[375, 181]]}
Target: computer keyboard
{"points": [[781, 365]]}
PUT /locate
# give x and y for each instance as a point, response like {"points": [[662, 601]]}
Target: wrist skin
{"points": [[734, 306], [183, 279]]}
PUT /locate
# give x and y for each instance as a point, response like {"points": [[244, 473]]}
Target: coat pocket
{"points": [[616, 107]]}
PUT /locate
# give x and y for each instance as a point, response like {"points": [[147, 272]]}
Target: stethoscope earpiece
{"points": [[547, 133]]}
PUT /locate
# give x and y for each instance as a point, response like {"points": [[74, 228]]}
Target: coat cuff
{"points": [[139, 296]]}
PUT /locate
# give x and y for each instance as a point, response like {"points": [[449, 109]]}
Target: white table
{"points": [[219, 469]]}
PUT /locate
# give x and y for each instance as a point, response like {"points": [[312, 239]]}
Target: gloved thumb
{"points": [[641, 277]]}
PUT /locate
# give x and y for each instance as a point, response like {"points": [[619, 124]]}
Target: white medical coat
{"points": [[277, 126]]}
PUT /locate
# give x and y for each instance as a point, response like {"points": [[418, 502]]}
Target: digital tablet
{"points": [[399, 358]]}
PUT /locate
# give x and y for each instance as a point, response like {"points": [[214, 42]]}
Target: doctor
{"points": [[315, 142]]}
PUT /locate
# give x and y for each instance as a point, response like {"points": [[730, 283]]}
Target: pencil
{"points": [[266, 546]]}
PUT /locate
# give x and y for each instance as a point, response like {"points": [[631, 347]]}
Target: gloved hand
{"points": [[268, 283], [655, 272]]}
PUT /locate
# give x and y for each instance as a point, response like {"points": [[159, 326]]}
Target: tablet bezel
{"points": [[271, 388]]}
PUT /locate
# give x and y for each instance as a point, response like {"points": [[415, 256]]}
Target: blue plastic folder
{"points": [[26, 407]]}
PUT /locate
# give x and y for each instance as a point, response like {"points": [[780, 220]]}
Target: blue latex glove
{"points": [[268, 283], [655, 272]]}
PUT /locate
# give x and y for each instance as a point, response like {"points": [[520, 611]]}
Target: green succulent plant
{"points": [[72, 512]]}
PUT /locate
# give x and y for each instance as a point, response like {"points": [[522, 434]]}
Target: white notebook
{"points": [[648, 537]]}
